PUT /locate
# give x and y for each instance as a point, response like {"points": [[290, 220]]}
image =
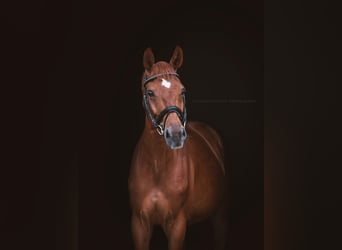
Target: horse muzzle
{"points": [[175, 136]]}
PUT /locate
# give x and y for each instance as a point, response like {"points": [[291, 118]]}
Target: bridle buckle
{"points": [[160, 129]]}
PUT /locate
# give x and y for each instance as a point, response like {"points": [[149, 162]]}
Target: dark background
{"points": [[73, 113], [302, 126]]}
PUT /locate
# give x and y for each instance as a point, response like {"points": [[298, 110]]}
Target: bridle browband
{"points": [[156, 121], [151, 78]]}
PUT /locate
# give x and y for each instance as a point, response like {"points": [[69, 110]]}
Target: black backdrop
{"points": [[74, 112]]}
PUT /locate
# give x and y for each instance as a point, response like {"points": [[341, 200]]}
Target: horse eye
{"points": [[150, 93], [183, 91]]}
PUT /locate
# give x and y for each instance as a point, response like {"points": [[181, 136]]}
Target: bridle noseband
{"points": [[156, 121]]}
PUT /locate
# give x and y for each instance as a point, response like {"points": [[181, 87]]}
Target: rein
{"points": [[156, 121]]}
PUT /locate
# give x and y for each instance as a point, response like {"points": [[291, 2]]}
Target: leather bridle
{"points": [[156, 120]]}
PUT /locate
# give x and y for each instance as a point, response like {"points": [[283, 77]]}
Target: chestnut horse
{"points": [[177, 174]]}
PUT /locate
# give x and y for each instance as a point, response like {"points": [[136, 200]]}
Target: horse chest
{"points": [[162, 189], [161, 206], [170, 177]]}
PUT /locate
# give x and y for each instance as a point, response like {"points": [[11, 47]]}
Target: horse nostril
{"points": [[183, 133], [167, 134]]}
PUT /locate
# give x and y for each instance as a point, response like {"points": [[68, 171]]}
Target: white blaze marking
{"points": [[165, 83]]}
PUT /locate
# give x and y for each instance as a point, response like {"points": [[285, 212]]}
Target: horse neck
{"points": [[151, 137], [157, 160], [149, 128]]}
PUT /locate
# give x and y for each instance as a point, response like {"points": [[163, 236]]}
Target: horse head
{"points": [[164, 97]]}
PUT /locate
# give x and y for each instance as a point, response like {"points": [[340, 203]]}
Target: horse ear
{"points": [[148, 60], [177, 58]]}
